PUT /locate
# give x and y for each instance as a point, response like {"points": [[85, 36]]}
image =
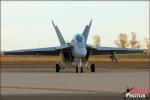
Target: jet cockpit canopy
{"points": [[79, 38]]}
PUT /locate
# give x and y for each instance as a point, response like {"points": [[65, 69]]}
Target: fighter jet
{"points": [[75, 54]]}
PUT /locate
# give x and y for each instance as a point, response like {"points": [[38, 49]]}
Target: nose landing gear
{"points": [[77, 69], [81, 69], [79, 66]]}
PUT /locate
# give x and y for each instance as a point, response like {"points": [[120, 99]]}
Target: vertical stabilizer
{"points": [[60, 37], [86, 31]]}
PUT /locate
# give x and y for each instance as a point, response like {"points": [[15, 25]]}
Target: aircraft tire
{"points": [[81, 69], [57, 67], [93, 68], [77, 69]]}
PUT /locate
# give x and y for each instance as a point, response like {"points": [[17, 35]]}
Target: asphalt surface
{"points": [[45, 84]]}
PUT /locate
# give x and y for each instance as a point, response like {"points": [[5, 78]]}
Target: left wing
{"points": [[39, 51], [109, 50]]}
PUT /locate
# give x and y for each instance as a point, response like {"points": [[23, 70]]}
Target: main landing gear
{"points": [[57, 67], [92, 67], [114, 57]]}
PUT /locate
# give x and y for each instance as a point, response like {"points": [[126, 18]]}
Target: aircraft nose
{"points": [[81, 52]]}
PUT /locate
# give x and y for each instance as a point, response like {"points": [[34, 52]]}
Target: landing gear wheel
{"points": [[81, 69], [93, 68], [77, 69], [57, 67]]}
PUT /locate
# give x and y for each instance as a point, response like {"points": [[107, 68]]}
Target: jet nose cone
{"points": [[81, 52], [84, 53]]}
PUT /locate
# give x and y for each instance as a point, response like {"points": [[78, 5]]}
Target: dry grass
{"points": [[29, 58], [50, 61], [57, 59]]}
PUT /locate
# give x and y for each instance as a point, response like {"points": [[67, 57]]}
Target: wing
{"points": [[108, 50], [39, 51]]}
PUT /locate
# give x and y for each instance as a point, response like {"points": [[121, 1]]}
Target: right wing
{"points": [[39, 51]]}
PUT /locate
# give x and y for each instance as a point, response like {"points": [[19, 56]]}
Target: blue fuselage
{"points": [[79, 49]]}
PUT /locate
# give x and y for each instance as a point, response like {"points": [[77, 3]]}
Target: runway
{"points": [[45, 83]]}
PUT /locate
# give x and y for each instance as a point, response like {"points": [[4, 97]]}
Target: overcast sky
{"points": [[27, 24]]}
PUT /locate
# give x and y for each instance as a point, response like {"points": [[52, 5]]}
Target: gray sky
{"points": [[27, 24]]}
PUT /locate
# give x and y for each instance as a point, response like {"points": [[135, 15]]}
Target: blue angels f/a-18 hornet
{"points": [[75, 54]]}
